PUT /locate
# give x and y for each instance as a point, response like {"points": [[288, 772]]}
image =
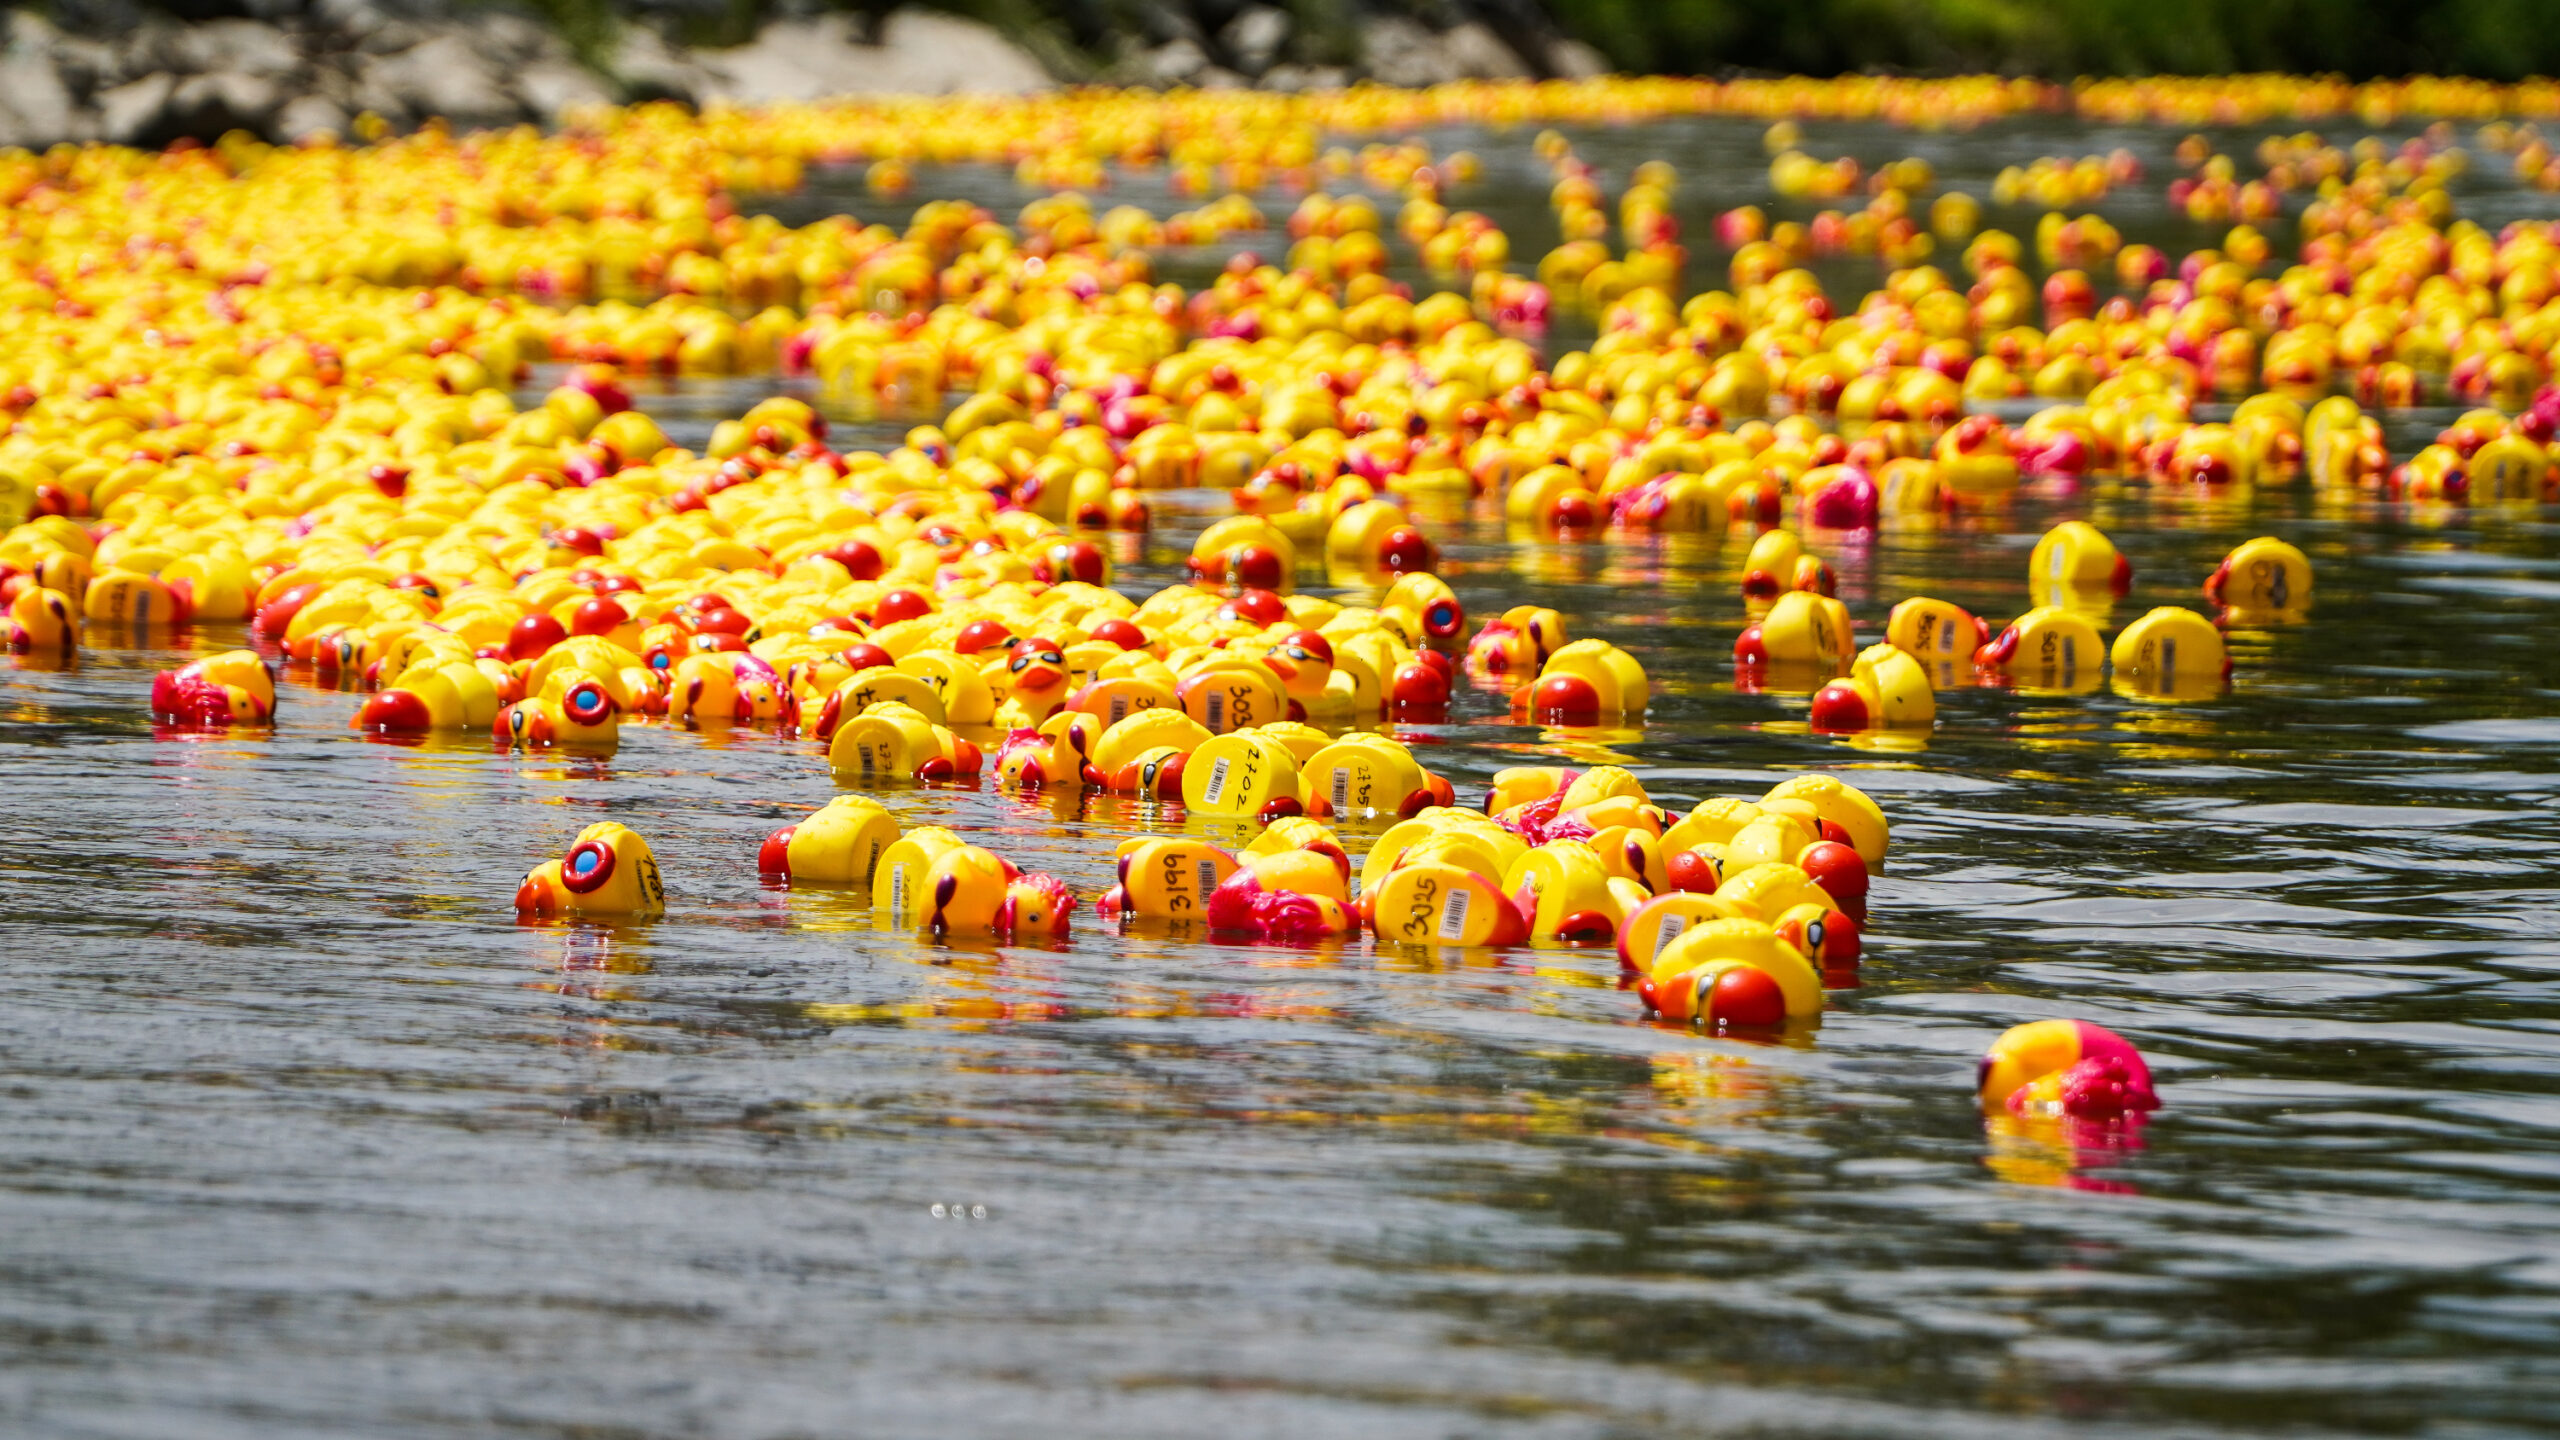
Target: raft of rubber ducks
{"points": [[272, 386]]}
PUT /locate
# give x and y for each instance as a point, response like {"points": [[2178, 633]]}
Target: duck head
{"points": [[608, 870]]}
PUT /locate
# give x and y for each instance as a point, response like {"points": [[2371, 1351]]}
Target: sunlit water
{"points": [[307, 1137]]}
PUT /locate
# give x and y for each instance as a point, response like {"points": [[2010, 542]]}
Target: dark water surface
{"points": [[307, 1137]]}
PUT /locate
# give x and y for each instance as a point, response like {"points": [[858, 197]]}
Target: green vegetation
{"points": [[2499, 39]]}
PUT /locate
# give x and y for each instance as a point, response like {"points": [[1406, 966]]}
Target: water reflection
{"points": [[274, 1032]]}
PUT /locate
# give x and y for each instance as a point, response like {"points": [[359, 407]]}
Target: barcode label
{"points": [[2070, 653], [1453, 913], [1119, 708], [1208, 879], [1341, 789], [2168, 658], [898, 895], [1217, 782], [1669, 931], [1217, 712], [871, 863]]}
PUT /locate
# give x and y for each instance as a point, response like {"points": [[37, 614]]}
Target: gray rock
{"points": [[391, 36], [649, 68], [158, 43], [1253, 39], [78, 65], [447, 77], [244, 47], [1397, 51], [307, 116], [132, 112], [553, 88], [39, 105], [919, 54], [512, 39], [1176, 62], [932, 54], [206, 106], [1476, 53], [1219, 77], [793, 60], [1573, 60]]}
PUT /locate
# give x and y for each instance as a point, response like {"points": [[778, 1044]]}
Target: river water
{"points": [[307, 1137]]}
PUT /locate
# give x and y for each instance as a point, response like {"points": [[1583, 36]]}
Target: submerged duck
{"points": [[608, 870], [2065, 1068], [232, 688]]}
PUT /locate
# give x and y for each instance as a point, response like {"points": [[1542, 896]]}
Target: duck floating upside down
{"points": [[2262, 581], [1518, 640], [1803, 632], [44, 624], [1054, 754], [1287, 896], [932, 880], [232, 688], [1164, 878], [1585, 682], [1885, 689], [890, 741], [841, 844], [1732, 973], [608, 870], [2076, 559], [2068, 1068]]}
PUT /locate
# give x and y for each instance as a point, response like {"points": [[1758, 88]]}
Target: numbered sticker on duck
{"points": [[1239, 775], [1453, 915]]}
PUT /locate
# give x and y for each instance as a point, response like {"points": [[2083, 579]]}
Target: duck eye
{"points": [[587, 866], [588, 705]]}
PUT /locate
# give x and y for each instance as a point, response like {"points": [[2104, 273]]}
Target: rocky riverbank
{"points": [[323, 70]]}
